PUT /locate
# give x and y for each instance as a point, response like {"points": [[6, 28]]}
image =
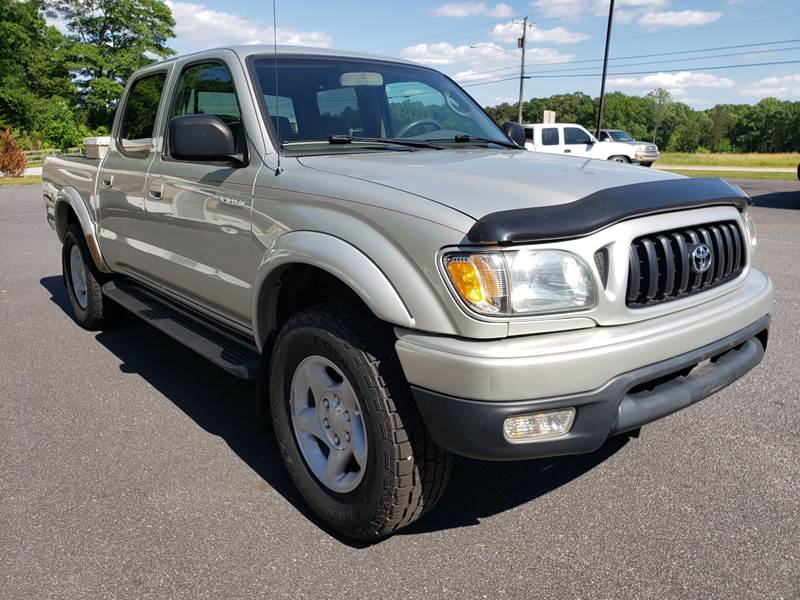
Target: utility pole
{"points": [[521, 44], [605, 66]]}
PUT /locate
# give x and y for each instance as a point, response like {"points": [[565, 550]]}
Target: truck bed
{"points": [[73, 171]]}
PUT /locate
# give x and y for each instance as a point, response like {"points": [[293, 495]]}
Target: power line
{"points": [[711, 68], [515, 78], [499, 70], [675, 52], [656, 62]]}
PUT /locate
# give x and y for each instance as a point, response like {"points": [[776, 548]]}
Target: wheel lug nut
{"points": [[325, 403], [325, 423], [335, 439], [346, 416], [347, 436]]}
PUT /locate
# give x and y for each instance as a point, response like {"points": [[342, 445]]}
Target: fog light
{"points": [[538, 426]]}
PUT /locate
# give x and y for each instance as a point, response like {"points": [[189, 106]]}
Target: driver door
{"points": [[200, 211], [578, 142]]}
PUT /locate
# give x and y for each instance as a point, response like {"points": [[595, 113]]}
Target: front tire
{"points": [[619, 159], [91, 309], [347, 426]]}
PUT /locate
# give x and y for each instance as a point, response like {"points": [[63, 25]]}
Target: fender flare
{"points": [[70, 198], [339, 258]]}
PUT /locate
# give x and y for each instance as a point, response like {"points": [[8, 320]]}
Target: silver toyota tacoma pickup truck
{"points": [[403, 279]]}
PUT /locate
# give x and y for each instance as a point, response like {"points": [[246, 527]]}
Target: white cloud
{"points": [[623, 17], [479, 58], [472, 9], [677, 83], [509, 32], [678, 18], [196, 25], [787, 86]]}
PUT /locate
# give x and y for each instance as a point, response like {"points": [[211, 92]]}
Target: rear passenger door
{"points": [[201, 211], [122, 220], [550, 140]]}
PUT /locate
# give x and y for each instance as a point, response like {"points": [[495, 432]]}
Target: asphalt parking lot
{"points": [[131, 468]]}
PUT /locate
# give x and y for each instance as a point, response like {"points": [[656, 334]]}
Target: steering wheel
{"points": [[417, 123]]}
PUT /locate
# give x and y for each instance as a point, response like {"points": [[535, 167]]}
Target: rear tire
{"points": [[394, 472], [91, 309], [619, 159]]}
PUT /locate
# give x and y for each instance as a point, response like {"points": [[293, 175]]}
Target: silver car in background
{"points": [[646, 152]]}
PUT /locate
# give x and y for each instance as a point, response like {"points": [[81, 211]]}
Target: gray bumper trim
{"points": [[475, 428]]}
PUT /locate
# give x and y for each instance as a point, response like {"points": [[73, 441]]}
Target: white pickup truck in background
{"points": [[574, 140]]}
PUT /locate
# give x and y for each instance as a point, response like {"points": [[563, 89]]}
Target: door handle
{"points": [[156, 191], [107, 182], [567, 150]]}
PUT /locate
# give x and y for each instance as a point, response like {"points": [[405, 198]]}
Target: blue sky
{"points": [[475, 42]]}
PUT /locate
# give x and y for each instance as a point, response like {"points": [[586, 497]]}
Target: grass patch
{"points": [[780, 159], [29, 180], [737, 174]]}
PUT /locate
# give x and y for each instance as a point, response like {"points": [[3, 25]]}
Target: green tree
{"points": [[109, 40], [62, 129], [660, 100], [32, 66]]}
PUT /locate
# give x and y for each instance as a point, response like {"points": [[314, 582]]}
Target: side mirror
{"points": [[202, 138], [515, 132]]}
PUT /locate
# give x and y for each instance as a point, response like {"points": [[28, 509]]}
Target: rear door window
{"points": [[550, 136], [141, 109]]}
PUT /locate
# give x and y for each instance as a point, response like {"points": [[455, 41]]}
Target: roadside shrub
{"points": [[12, 160], [725, 146]]}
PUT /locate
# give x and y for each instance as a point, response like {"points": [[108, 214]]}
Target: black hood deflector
{"points": [[601, 209]]}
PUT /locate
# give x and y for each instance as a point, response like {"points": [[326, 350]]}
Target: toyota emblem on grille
{"points": [[701, 258]]}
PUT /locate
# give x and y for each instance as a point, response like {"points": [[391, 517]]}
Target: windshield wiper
{"points": [[463, 139], [346, 139]]}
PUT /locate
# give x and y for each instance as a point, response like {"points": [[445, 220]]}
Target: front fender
{"points": [[332, 254], [69, 198]]}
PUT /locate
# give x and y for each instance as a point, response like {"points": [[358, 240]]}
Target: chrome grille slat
{"points": [[660, 265]]}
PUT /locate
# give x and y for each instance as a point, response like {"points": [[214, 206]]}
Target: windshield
{"points": [[620, 136], [321, 97]]}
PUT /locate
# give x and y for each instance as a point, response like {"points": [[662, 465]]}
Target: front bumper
{"points": [[466, 388], [475, 428], [647, 157]]}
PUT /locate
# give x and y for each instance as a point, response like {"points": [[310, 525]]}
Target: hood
{"points": [[477, 182]]}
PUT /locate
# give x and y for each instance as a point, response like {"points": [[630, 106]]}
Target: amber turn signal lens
{"points": [[466, 278], [480, 280]]}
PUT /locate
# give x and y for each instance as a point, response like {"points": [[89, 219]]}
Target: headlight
{"points": [[522, 282], [751, 228]]}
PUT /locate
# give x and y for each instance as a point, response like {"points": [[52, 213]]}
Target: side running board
{"points": [[225, 349]]}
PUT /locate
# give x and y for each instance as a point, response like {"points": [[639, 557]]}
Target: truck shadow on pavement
{"points": [[223, 405]]}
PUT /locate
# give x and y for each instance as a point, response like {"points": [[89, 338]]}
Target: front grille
{"points": [[661, 266]]}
